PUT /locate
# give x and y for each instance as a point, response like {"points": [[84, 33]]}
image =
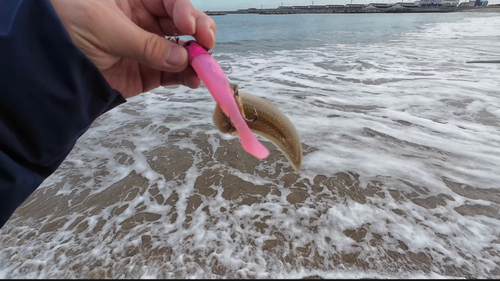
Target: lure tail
{"points": [[214, 78]]}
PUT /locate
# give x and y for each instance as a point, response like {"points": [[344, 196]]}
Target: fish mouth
{"points": [[266, 120]]}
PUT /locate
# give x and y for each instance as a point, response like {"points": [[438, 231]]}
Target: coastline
{"points": [[358, 10], [400, 175], [392, 11], [495, 9]]}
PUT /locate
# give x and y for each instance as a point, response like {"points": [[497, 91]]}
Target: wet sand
{"points": [[399, 180], [47, 215]]}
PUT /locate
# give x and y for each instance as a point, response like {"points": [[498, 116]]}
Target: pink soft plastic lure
{"points": [[214, 78]]}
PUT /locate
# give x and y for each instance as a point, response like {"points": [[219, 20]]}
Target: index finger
{"points": [[205, 30]]}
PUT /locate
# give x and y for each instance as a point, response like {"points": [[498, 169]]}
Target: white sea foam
{"points": [[407, 117]]}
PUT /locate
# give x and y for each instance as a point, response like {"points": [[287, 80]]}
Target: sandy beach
{"points": [[121, 223], [399, 179]]}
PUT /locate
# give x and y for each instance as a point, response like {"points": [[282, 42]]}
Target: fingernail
{"points": [[213, 34], [193, 24], [176, 56]]}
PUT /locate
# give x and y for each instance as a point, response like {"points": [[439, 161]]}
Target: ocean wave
{"points": [[399, 179]]}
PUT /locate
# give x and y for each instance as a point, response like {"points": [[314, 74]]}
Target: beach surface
{"points": [[400, 177]]}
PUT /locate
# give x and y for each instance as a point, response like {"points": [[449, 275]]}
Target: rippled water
{"points": [[268, 33], [400, 178]]}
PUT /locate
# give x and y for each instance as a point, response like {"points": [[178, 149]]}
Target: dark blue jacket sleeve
{"points": [[50, 93]]}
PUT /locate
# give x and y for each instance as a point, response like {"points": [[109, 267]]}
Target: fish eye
{"points": [[187, 44]]}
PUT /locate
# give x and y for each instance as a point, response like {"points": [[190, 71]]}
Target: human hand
{"points": [[126, 40]]}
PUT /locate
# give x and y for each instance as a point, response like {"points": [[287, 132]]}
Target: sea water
{"points": [[400, 176]]}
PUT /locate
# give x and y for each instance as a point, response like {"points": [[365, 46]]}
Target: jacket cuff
{"points": [[50, 94]]}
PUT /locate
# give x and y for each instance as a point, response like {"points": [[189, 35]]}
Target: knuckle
{"points": [[152, 48]]}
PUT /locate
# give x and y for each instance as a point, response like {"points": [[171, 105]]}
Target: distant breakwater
{"points": [[357, 10], [215, 13]]}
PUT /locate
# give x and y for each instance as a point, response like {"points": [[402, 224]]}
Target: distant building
{"points": [[467, 4], [405, 5], [314, 7], [472, 3], [397, 6], [370, 7], [427, 3], [450, 3], [382, 5], [321, 7], [248, 11], [317, 6]]}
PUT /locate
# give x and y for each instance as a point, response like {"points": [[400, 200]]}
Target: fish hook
{"points": [[173, 39], [235, 92], [254, 119], [230, 69], [235, 89]]}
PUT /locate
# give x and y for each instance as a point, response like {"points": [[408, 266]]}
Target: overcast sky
{"points": [[231, 5]]}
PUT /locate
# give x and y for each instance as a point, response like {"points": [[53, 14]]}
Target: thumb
{"points": [[151, 49]]}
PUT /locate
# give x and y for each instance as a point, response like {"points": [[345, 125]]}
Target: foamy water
{"points": [[400, 176]]}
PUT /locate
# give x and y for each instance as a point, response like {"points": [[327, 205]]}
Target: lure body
{"points": [[214, 78]]}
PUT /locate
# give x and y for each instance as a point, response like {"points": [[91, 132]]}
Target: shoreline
{"points": [[358, 10], [400, 170], [495, 9]]}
